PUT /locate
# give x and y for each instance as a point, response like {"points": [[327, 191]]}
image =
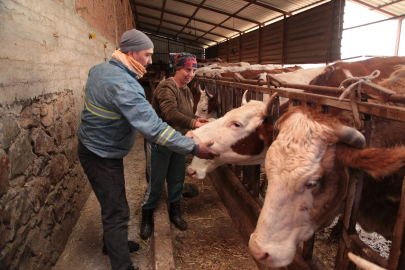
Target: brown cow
{"points": [[339, 71], [307, 170]]}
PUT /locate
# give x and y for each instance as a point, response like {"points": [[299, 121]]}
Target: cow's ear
{"points": [[378, 162]]}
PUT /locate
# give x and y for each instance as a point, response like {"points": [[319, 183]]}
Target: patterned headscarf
{"points": [[181, 60]]}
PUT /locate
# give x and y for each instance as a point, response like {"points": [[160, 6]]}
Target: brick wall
{"points": [[100, 14]]}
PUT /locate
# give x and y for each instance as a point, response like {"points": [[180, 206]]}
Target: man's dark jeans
{"points": [[106, 177]]}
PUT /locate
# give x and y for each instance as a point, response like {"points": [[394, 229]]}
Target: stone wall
{"points": [[42, 184], [45, 57]]}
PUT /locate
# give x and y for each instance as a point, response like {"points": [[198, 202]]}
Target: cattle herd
{"points": [[307, 163]]}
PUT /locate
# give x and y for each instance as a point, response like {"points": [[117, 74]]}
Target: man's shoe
{"points": [[131, 244], [175, 216], [147, 223], [190, 190]]}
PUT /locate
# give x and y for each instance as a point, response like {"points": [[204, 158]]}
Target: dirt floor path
{"points": [[211, 242]]}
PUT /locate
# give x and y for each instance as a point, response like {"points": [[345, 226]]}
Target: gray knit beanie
{"points": [[135, 40]]}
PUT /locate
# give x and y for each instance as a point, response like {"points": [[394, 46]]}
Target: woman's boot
{"points": [[175, 216], [147, 223]]}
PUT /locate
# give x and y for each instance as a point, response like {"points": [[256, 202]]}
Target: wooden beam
{"points": [[135, 13], [268, 7], [259, 46], [398, 37], [330, 28], [220, 12], [283, 40], [396, 258], [240, 47], [161, 16]]}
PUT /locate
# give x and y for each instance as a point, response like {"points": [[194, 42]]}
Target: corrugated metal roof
{"points": [[207, 22]]}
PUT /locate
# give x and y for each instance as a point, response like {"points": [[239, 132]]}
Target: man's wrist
{"points": [[195, 149]]}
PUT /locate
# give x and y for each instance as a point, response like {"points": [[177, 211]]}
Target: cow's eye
{"points": [[236, 124], [312, 184]]}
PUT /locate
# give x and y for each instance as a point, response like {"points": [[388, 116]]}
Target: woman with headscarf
{"points": [[173, 103]]}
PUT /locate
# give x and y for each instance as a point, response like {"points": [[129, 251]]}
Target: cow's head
{"points": [[241, 137], [207, 106], [306, 167]]}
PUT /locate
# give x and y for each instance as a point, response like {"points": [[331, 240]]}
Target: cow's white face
{"points": [[203, 109], [235, 138], [301, 195]]}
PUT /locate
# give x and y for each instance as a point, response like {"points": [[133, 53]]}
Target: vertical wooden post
{"points": [[398, 36], [259, 46], [283, 40], [396, 260], [353, 198], [227, 51], [330, 28], [240, 47]]}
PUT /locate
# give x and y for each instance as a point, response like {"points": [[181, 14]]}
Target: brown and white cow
{"points": [[307, 169], [242, 136]]}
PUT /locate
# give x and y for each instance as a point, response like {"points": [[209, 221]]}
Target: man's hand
{"points": [[204, 152], [199, 122]]}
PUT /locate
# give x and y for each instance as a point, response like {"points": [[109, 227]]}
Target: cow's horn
{"points": [[199, 88], [208, 95], [350, 136], [268, 111], [244, 98]]}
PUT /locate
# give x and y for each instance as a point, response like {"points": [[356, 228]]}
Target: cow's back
{"points": [[336, 73]]}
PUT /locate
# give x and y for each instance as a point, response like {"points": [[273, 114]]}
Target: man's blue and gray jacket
{"points": [[116, 108]]}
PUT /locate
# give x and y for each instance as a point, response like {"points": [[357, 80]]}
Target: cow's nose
{"points": [[191, 172], [258, 253]]}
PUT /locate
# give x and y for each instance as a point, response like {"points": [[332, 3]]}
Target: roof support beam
{"points": [[388, 4], [398, 37], [151, 24], [178, 24], [183, 16], [192, 16], [231, 17], [375, 8], [268, 7], [220, 12], [161, 16], [163, 35]]}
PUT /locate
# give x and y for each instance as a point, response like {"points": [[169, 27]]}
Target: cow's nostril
{"points": [[264, 257], [191, 172]]}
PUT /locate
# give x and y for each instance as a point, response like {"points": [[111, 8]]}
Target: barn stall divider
{"points": [[239, 186]]}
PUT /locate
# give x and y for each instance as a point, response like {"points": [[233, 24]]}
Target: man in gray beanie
{"points": [[115, 109]]}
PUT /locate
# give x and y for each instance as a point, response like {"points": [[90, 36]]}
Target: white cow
{"points": [[238, 136], [207, 106]]}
